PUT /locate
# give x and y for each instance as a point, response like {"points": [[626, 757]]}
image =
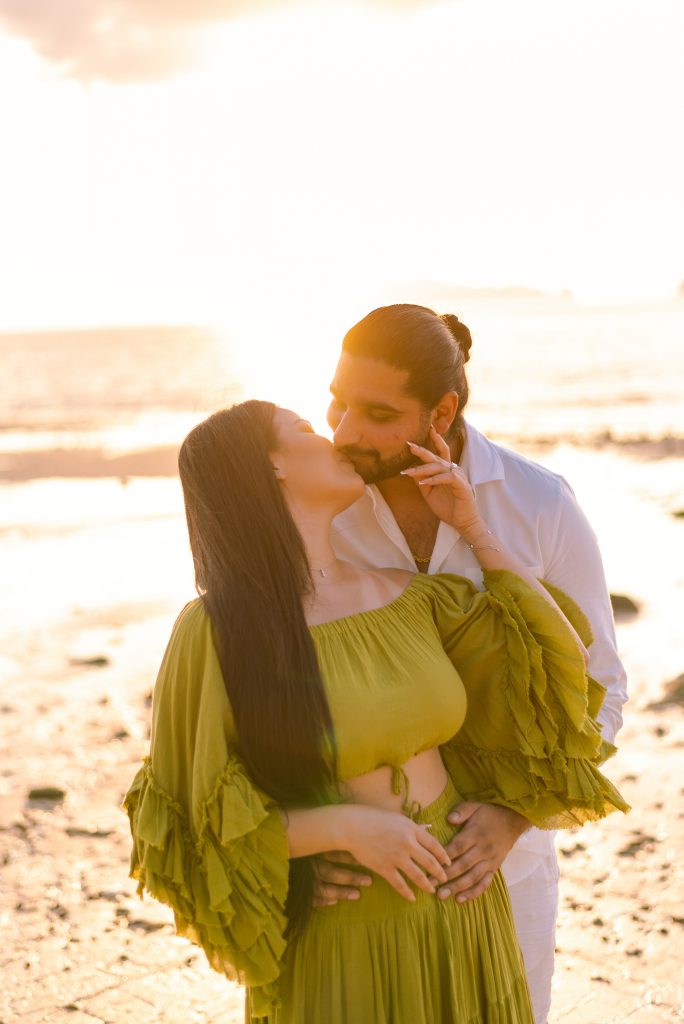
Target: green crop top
{"points": [[493, 678]]}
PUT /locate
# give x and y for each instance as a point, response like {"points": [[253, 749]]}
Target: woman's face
{"points": [[311, 472]]}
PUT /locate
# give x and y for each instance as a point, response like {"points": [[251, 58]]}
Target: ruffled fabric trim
{"points": [[548, 773], [228, 885]]}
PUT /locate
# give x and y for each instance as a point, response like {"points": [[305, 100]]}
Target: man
{"points": [[401, 369]]}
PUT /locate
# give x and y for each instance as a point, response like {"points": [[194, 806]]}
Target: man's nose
{"points": [[345, 433]]}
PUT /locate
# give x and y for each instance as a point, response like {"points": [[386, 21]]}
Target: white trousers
{"points": [[534, 900]]}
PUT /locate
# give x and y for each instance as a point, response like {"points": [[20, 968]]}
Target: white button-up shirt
{"points": [[536, 515]]}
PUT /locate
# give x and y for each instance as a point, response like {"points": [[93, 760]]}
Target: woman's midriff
{"points": [[403, 787]]}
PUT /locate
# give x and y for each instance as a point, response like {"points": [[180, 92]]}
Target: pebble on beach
{"points": [[624, 605]]}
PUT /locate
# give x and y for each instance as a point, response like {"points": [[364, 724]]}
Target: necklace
{"points": [[421, 561], [324, 570]]}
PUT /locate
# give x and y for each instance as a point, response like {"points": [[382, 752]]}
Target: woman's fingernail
{"points": [[411, 444], [444, 894], [454, 817], [366, 881], [353, 895], [461, 899]]}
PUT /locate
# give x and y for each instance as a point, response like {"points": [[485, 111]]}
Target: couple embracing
{"points": [[370, 721]]}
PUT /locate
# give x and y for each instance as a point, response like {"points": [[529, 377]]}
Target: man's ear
{"points": [[444, 412]]}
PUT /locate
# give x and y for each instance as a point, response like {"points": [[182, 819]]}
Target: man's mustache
{"points": [[350, 452]]}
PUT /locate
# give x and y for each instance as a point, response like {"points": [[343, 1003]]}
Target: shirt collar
{"points": [[480, 459]]}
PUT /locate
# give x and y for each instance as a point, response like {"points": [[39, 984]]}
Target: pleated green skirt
{"points": [[384, 960]]}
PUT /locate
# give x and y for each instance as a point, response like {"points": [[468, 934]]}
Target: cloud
{"points": [[130, 40]]}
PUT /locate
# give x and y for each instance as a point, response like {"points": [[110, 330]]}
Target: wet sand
{"points": [[79, 946]]}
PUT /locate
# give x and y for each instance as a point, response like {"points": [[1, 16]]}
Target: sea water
{"points": [[92, 536]]}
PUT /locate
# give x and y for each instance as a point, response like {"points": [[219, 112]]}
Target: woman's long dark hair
{"points": [[252, 573]]}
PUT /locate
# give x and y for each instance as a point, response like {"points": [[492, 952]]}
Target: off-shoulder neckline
{"points": [[372, 612]]}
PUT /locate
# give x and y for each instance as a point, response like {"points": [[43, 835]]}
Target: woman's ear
{"points": [[279, 471]]}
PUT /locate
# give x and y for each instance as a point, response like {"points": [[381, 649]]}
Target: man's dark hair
{"points": [[433, 349]]}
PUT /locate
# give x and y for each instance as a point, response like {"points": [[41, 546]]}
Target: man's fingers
{"points": [[462, 812], [469, 879], [320, 901], [467, 894], [460, 844], [465, 863], [331, 875], [340, 856], [329, 895]]}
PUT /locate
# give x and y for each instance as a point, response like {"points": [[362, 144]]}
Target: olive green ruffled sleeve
{"points": [[206, 841], [530, 740]]}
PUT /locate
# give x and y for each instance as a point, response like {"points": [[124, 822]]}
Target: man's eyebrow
{"points": [[368, 403]]}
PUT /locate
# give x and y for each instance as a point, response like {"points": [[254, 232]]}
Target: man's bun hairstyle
{"points": [[459, 332]]}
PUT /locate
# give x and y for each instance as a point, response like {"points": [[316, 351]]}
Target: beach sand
{"points": [[77, 943]]}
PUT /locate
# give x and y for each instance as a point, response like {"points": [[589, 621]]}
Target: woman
{"points": [[306, 706]]}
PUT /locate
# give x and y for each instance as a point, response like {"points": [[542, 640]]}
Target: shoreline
{"points": [[97, 462]]}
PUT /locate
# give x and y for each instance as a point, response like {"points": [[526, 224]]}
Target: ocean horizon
{"points": [[117, 401]]}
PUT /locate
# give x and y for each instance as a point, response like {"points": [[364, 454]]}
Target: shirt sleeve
{"points": [[572, 562], [530, 740], [206, 841]]}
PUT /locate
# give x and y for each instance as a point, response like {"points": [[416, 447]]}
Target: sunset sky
{"points": [[221, 162]]}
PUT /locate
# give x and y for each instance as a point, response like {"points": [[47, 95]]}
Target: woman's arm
{"points": [[447, 491], [386, 842]]}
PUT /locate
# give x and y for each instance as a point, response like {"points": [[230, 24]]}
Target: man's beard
{"points": [[372, 468]]}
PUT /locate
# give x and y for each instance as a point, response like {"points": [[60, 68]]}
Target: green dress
{"points": [[495, 680]]}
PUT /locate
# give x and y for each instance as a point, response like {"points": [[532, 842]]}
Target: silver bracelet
{"points": [[489, 533]]}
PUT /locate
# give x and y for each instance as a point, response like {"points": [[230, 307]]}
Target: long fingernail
{"points": [[353, 895], [411, 444]]}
